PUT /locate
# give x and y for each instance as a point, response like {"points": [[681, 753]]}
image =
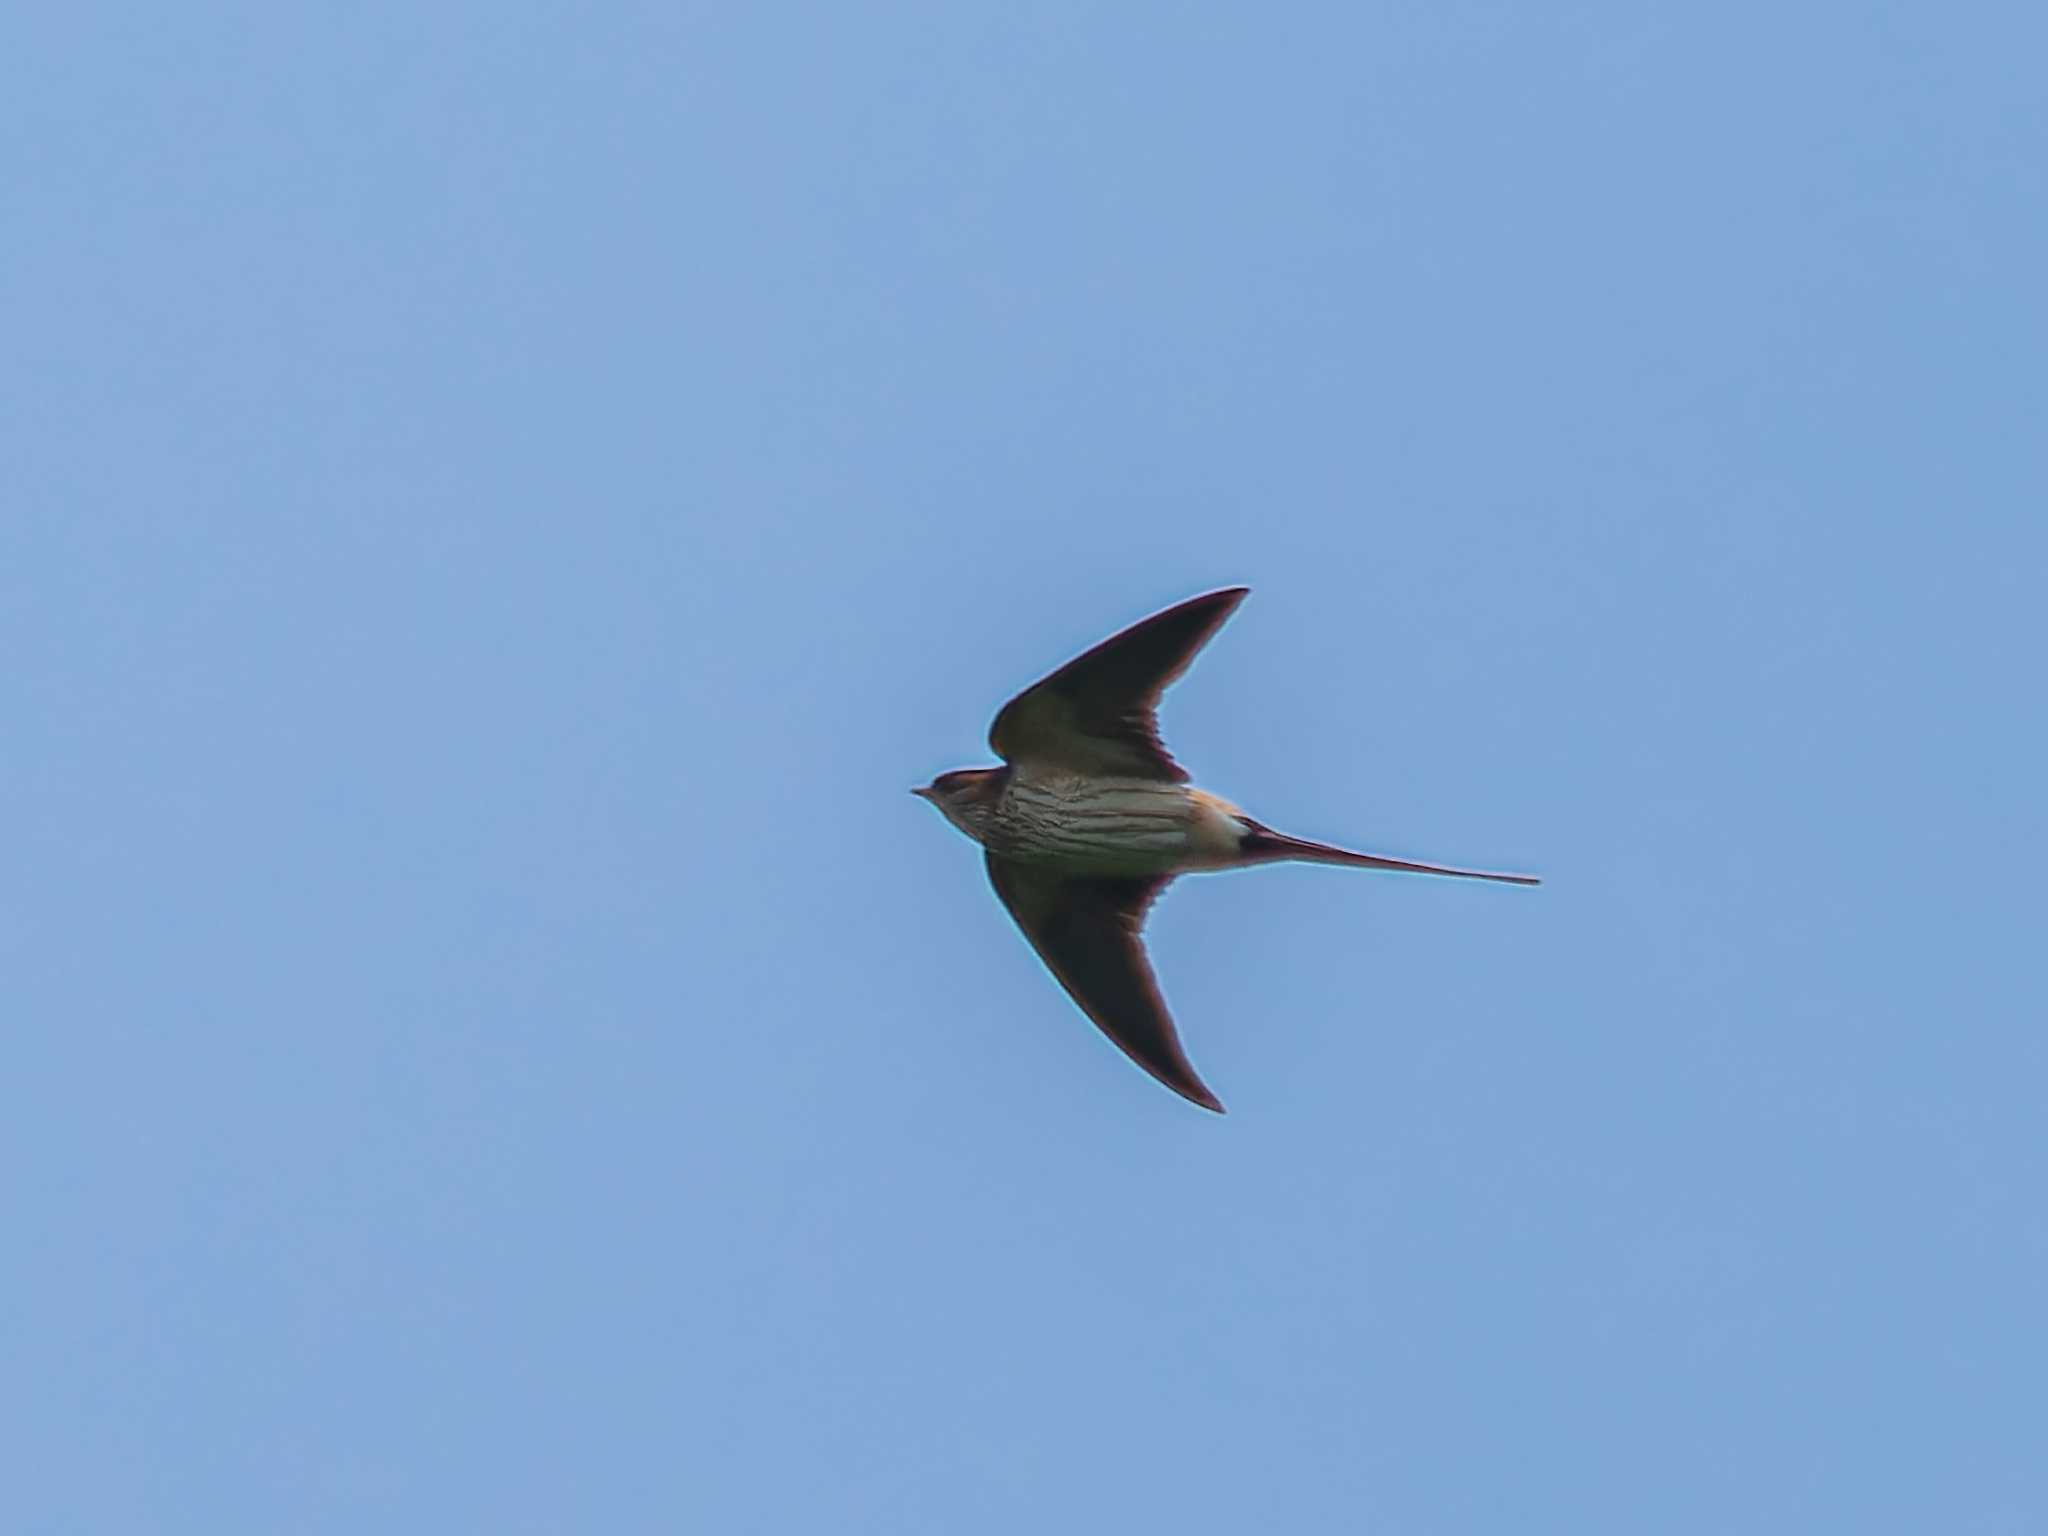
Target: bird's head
{"points": [[966, 797]]}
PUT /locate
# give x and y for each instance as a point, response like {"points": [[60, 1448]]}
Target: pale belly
{"points": [[1100, 826]]}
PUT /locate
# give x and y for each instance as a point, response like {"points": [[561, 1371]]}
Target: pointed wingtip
{"points": [[1197, 1093], [1225, 598]]}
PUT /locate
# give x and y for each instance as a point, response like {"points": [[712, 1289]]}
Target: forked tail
{"points": [[1264, 845]]}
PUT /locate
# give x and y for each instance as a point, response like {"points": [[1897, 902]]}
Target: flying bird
{"points": [[1089, 818]]}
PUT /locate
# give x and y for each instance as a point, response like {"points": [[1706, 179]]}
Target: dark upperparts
{"points": [[984, 784]]}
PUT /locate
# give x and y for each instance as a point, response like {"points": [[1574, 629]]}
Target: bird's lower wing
{"points": [[1087, 931]]}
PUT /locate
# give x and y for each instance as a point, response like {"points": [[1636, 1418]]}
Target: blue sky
{"points": [[499, 505]]}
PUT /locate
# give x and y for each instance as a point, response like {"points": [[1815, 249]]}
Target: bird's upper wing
{"points": [[1086, 930], [1095, 715]]}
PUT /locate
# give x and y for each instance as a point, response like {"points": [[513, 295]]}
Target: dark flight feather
{"points": [[1098, 713], [1088, 930]]}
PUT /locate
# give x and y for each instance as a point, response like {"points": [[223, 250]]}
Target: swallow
{"points": [[1090, 818]]}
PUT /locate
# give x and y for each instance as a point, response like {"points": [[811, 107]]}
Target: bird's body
{"points": [[1089, 819], [1083, 824]]}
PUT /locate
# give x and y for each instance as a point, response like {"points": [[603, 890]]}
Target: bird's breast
{"points": [[1112, 825]]}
